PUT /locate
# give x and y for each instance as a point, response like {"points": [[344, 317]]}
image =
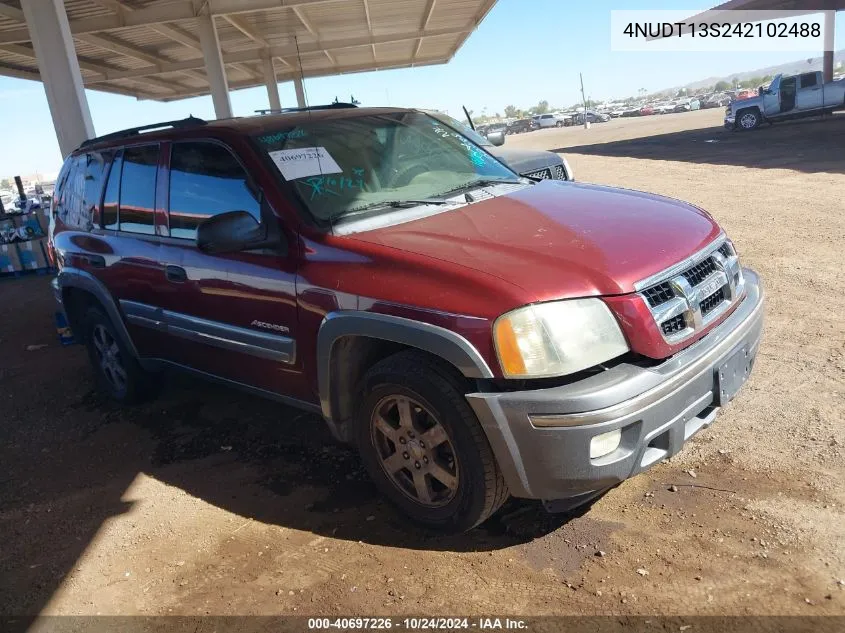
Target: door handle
{"points": [[176, 274]]}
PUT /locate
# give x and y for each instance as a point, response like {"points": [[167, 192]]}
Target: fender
{"points": [[70, 277], [439, 341]]}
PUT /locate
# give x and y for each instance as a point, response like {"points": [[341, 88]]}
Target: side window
{"points": [[206, 180], [136, 213], [808, 80], [111, 197]]}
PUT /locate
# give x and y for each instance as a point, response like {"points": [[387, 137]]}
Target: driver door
{"points": [[232, 315], [787, 94]]}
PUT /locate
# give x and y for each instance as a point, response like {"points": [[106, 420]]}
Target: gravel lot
{"points": [[209, 501]]}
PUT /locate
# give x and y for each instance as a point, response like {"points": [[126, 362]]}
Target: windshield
{"points": [[348, 165], [463, 128]]}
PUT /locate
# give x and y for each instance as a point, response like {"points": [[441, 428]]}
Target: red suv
{"points": [[476, 335]]}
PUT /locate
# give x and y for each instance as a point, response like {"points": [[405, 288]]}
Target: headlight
{"points": [[567, 168], [557, 338]]}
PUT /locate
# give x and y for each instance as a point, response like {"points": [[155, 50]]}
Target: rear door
{"points": [[129, 242], [809, 95], [232, 315]]}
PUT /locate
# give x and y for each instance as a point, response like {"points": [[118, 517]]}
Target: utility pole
{"points": [[584, 101]]}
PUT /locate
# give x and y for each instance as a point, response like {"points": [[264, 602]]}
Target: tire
{"points": [[748, 119], [118, 374], [451, 484], [558, 124]]}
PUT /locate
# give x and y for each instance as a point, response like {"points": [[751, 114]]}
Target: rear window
{"points": [[809, 80], [69, 201]]}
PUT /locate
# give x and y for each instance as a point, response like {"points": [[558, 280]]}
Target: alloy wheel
{"points": [[415, 450], [748, 121], [108, 356]]}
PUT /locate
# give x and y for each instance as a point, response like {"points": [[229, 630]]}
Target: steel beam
{"points": [[60, 72]]}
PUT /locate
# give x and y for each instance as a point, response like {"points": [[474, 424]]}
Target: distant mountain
{"points": [[789, 68]]}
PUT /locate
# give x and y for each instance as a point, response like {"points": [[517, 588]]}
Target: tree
{"points": [[542, 107], [721, 86], [4, 184], [512, 112]]}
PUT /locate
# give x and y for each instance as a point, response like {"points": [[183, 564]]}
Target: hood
{"points": [[559, 239], [525, 160], [741, 103]]}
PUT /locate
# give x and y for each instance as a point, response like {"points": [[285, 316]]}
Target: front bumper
{"points": [[730, 122], [657, 409]]}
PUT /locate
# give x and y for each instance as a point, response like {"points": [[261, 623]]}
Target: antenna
{"points": [[301, 72], [310, 114]]}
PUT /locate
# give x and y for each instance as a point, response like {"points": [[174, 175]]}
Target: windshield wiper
{"points": [[394, 204], [481, 182]]}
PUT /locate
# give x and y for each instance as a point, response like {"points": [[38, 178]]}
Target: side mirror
{"points": [[496, 138], [230, 232]]}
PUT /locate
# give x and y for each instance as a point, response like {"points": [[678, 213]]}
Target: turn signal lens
{"points": [[509, 354]]}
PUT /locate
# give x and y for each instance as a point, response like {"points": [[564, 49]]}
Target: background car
{"points": [[719, 100], [522, 125], [664, 107], [688, 104], [489, 128], [592, 117], [550, 120], [646, 110]]}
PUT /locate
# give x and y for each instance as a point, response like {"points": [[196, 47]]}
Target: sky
{"points": [[523, 52]]}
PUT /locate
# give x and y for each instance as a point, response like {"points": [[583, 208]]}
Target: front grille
{"points": [[712, 301], [659, 294], [673, 325], [700, 272], [541, 174], [677, 301]]}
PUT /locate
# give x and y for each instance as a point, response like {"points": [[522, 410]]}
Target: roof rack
{"points": [[331, 106], [135, 131]]}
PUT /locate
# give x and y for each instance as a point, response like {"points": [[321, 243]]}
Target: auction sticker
{"points": [[304, 162]]}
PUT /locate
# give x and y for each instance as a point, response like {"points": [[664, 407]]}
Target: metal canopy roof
{"points": [[730, 11], [805, 6], [150, 49]]}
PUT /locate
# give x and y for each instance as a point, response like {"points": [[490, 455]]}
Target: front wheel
{"points": [[748, 119], [423, 446]]}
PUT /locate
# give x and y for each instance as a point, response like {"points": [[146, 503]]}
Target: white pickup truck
{"points": [[786, 98]]}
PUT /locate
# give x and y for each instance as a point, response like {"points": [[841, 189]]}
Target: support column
{"points": [[829, 30], [214, 66], [272, 84], [300, 92], [60, 74]]}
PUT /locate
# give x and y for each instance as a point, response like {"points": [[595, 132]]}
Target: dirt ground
{"points": [[208, 501]]}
